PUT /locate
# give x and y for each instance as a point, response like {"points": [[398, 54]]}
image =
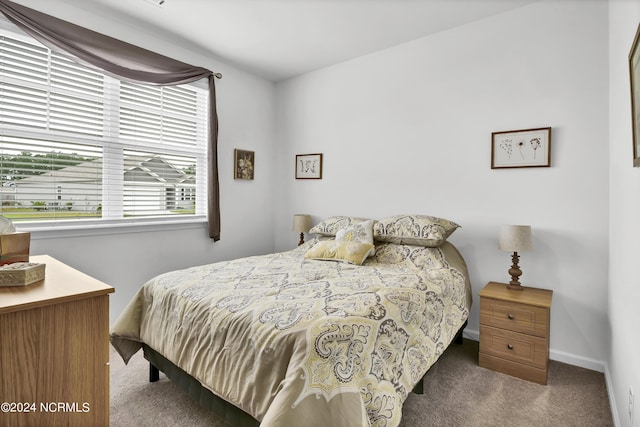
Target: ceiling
{"points": [[279, 39]]}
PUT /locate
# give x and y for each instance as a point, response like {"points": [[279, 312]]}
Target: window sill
{"points": [[44, 230]]}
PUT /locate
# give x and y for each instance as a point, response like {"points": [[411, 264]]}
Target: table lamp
{"points": [[515, 238], [301, 224]]}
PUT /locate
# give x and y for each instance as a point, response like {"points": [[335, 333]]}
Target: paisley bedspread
{"points": [[300, 342]]}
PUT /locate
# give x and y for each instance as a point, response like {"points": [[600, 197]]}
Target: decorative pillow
{"points": [[336, 250], [361, 232], [330, 226], [419, 230]]}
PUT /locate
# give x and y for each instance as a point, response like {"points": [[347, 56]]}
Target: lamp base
{"points": [[301, 239], [515, 273]]}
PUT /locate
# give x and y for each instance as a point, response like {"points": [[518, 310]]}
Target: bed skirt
{"points": [[230, 413]]}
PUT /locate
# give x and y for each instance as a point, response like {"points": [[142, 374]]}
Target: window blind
{"points": [[78, 144]]}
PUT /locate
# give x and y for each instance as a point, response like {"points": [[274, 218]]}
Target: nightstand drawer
{"points": [[524, 318], [513, 346], [519, 370]]}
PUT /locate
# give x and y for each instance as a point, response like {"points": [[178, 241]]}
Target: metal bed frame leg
{"points": [[154, 373], [419, 388], [459, 339]]}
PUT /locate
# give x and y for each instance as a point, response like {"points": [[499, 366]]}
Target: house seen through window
{"points": [[78, 144]]}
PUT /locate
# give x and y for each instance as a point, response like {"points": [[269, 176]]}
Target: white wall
{"points": [[245, 109], [624, 211], [408, 130]]}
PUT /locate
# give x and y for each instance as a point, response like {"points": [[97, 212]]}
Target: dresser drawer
{"points": [[513, 346], [524, 318]]}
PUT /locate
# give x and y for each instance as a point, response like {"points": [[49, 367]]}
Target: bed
{"points": [[305, 336]]}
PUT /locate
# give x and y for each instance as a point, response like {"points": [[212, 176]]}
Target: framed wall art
{"points": [[309, 166], [634, 72], [527, 148], [243, 164]]}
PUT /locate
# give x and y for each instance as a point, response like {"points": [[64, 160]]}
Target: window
{"points": [[76, 144]]}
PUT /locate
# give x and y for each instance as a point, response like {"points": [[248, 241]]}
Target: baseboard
{"points": [[471, 334], [612, 398], [572, 359]]}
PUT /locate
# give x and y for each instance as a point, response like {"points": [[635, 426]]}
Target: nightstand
{"points": [[514, 331]]}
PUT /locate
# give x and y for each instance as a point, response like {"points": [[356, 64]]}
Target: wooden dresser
{"points": [[54, 350], [514, 331]]}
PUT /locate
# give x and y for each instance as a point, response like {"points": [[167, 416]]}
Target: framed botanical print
{"points": [[525, 148], [634, 73], [243, 164]]}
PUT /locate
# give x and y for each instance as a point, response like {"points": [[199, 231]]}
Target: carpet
{"points": [[457, 392]]}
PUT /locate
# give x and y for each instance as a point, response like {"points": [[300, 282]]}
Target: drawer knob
{"points": [[510, 346], [510, 316]]}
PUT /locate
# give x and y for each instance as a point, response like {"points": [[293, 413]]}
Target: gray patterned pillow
{"points": [[419, 230], [330, 226]]}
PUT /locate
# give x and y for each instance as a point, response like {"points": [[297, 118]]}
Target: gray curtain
{"points": [[125, 61]]}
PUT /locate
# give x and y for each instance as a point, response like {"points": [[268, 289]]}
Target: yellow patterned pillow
{"points": [[349, 251], [361, 232]]}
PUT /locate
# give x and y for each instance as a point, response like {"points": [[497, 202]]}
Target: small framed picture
{"points": [[309, 166], [243, 164], [528, 148], [634, 73]]}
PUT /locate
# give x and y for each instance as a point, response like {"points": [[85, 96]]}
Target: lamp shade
{"points": [[515, 238], [301, 223]]}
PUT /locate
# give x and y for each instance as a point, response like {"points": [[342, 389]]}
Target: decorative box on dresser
{"points": [[514, 331], [54, 350]]}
